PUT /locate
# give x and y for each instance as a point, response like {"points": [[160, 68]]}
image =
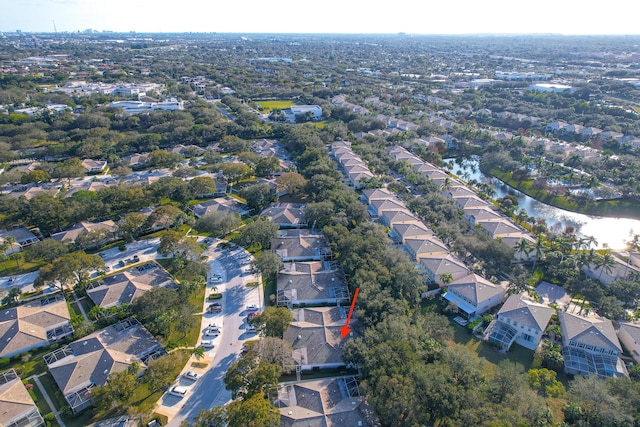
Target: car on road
{"points": [[211, 333], [190, 375], [178, 391], [250, 328], [252, 315], [252, 307]]}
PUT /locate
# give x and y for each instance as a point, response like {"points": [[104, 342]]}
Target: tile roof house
{"points": [[590, 346], [474, 215], [327, 402], [520, 320], [17, 408], [107, 227], [93, 166], [219, 205], [22, 236], [34, 324], [315, 282], [377, 207], [474, 295], [471, 202], [629, 335], [400, 216], [87, 362], [426, 247], [399, 233], [446, 264], [300, 245], [369, 196], [498, 228], [128, 285], [285, 215], [316, 338]]}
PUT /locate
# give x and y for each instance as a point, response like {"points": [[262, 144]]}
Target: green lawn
{"points": [[11, 268], [38, 398], [270, 288], [266, 106]]}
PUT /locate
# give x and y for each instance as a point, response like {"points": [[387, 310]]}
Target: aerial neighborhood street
{"points": [[364, 230]]}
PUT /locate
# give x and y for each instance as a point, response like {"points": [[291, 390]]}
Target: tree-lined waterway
{"points": [[613, 232]]}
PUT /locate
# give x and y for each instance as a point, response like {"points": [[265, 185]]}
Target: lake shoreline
{"points": [[618, 208]]}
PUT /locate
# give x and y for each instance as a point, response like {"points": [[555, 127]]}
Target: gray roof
{"points": [[300, 281], [285, 214], [595, 331], [526, 311], [476, 288], [315, 335], [378, 194], [299, 243], [26, 326], [91, 359], [327, 402], [444, 264], [128, 285], [15, 401]]}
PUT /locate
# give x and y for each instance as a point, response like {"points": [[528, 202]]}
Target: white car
{"points": [[252, 307], [191, 375], [209, 333], [207, 344], [214, 327], [178, 391]]}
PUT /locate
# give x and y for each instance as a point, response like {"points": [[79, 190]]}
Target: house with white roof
{"points": [[590, 346], [520, 320], [474, 295]]}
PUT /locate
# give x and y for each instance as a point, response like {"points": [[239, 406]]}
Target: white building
{"points": [[296, 110], [520, 320], [550, 87]]}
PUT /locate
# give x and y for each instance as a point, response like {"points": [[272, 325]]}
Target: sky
{"points": [[324, 16]]}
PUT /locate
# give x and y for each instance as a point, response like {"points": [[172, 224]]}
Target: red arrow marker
{"points": [[345, 329]]}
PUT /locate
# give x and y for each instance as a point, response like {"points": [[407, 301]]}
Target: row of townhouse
{"points": [[310, 278], [589, 342], [356, 171], [477, 212], [473, 294]]}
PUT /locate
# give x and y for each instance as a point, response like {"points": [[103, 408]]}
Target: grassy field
{"points": [[273, 105]]}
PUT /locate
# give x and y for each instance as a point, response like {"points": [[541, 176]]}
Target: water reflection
{"points": [[614, 232]]}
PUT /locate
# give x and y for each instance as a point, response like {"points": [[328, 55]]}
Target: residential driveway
{"points": [[208, 391]]}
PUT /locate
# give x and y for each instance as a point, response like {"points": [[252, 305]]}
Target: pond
{"points": [[611, 232]]}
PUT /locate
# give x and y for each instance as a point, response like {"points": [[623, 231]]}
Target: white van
{"points": [[178, 390]]}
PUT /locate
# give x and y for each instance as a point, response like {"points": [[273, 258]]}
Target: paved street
{"points": [[208, 391]]}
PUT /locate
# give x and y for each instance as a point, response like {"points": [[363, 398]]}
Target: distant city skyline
{"points": [[570, 17]]}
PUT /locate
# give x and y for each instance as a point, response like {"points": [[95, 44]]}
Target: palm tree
{"points": [[524, 247], [10, 240], [604, 262], [540, 247], [590, 240], [198, 352]]}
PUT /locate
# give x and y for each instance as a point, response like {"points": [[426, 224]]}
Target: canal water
{"points": [[611, 232]]}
